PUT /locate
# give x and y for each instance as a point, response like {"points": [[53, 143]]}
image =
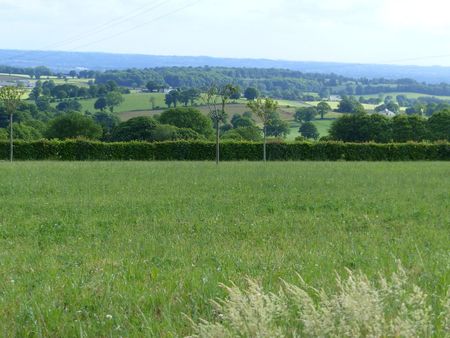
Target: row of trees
{"points": [[402, 128], [280, 83]]}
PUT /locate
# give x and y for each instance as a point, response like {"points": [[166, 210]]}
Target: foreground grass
{"points": [[123, 249]]}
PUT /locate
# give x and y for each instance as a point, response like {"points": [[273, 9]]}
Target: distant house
{"points": [[387, 113], [335, 98]]}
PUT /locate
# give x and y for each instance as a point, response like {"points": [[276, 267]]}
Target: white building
{"points": [[386, 113]]}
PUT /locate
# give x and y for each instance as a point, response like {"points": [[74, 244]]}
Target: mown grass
{"points": [[124, 249]]}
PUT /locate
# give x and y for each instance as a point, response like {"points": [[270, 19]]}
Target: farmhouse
{"points": [[335, 98], [387, 113]]}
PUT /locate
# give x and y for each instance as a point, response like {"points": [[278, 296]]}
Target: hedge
{"points": [[76, 150]]}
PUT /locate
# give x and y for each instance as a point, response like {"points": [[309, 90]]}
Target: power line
{"points": [[111, 23], [138, 26], [99, 28]]}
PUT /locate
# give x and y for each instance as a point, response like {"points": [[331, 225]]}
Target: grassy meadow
{"points": [[126, 249]]}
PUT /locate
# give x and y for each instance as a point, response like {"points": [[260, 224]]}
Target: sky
{"points": [[362, 31]]}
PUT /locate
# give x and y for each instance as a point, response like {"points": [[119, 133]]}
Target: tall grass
{"points": [[392, 307]]}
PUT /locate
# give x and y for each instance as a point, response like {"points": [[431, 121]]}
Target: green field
{"points": [[408, 95], [323, 127], [134, 102], [125, 249]]}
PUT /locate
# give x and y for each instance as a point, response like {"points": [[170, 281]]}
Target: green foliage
{"points": [[251, 93], [172, 98], [277, 127], [350, 106], [309, 131], [361, 128], [26, 132], [250, 133], [439, 125], [188, 118], [73, 125], [100, 104], [113, 99], [4, 135], [69, 105], [409, 128], [323, 108], [135, 129], [305, 114], [107, 121], [231, 151], [240, 121]]}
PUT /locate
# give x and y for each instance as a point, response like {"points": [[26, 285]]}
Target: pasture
{"points": [[125, 249]]}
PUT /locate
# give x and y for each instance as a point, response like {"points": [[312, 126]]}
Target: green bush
{"points": [[79, 150]]}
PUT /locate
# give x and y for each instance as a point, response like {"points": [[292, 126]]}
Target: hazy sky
{"points": [[367, 31]]}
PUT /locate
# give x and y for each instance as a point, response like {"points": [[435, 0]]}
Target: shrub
{"points": [[231, 151], [135, 129], [188, 118], [439, 125], [73, 125], [243, 134]]}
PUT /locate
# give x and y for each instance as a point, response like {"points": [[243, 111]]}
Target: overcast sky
{"points": [[366, 31]]}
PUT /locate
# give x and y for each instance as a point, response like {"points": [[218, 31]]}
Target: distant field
{"points": [[322, 126], [126, 249], [133, 102], [407, 94]]}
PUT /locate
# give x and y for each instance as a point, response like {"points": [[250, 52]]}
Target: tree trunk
{"points": [[11, 139], [265, 143], [217, 143]]}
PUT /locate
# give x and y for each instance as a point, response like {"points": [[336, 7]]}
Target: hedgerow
{"points": [[80, 150]]}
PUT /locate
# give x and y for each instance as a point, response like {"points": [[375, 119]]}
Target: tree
{"points": [[350, 106], [113, 99], [10, 98], [189, 96], [153, 86], [409, 128], [72, 74], [305, 114], [172, 97], [136, 129], [107, 121], [439, 125], [251, 133], [323, 108], [266, 110], [362, 128], [73, 125], [69, 105], [240, 121], [216, 99], [309, 130], [251, 93], [237, 93], [153, 102], [100, 104], [188, 118], [277, 127]]}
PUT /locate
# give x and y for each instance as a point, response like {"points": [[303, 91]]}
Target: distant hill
{"points": [[66, 61]]}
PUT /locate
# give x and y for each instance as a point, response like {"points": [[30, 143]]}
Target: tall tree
{"points": [[10, 97], [113, 99], [266, 110], [323, 108], [216, 99]]}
